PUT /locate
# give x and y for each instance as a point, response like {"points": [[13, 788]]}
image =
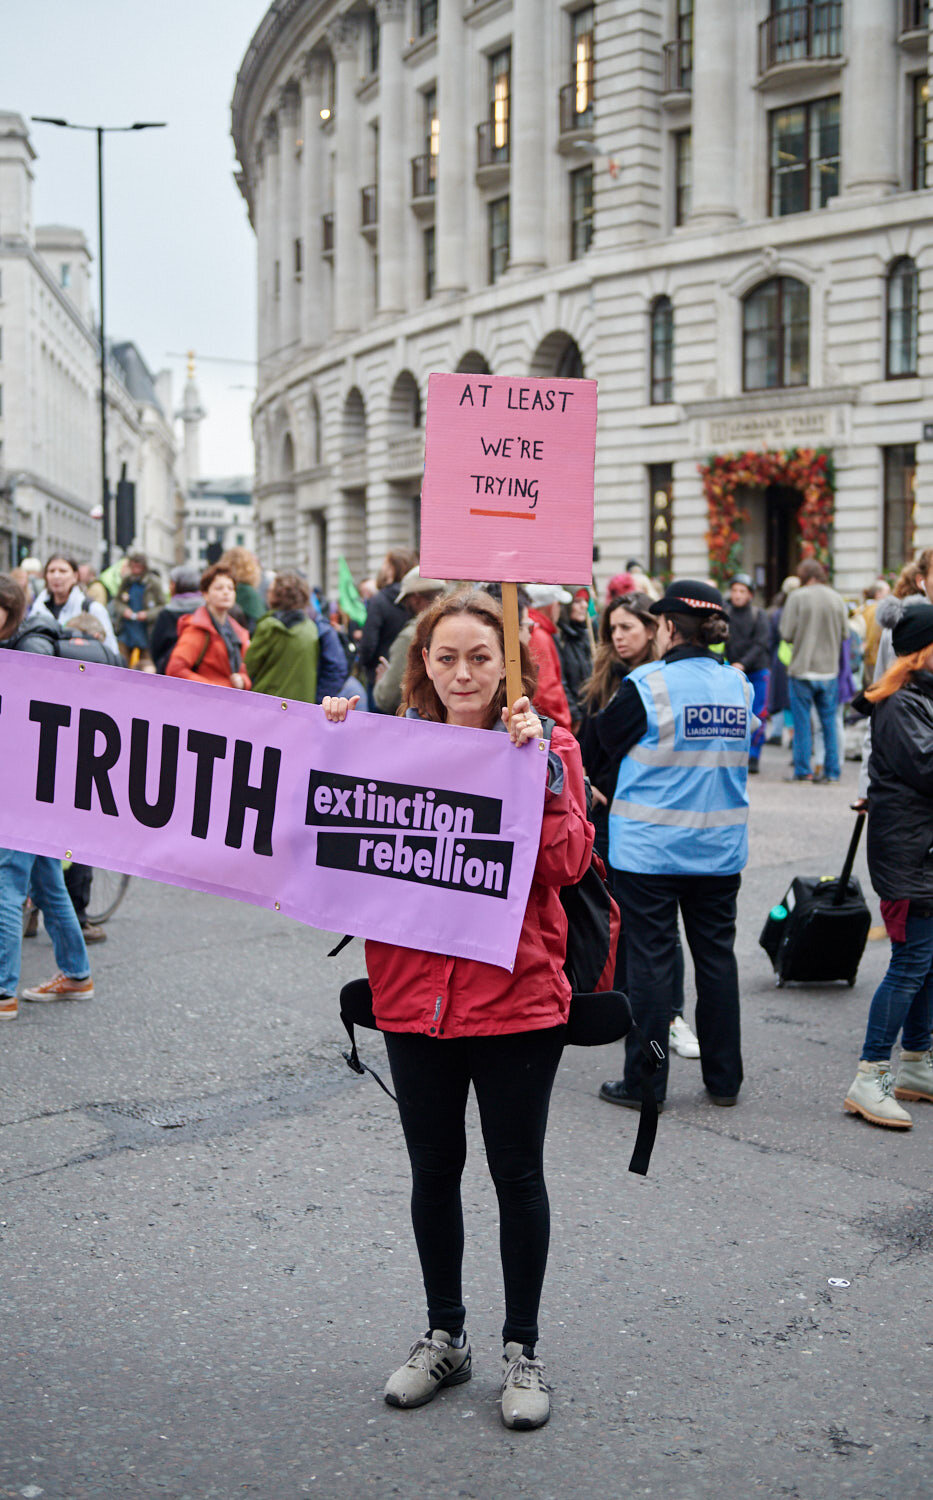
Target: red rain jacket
{"points": [[451, 997], [550, 697]]}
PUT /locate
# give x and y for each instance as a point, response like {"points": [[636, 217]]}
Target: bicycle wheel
{"points": [[108, 887]]}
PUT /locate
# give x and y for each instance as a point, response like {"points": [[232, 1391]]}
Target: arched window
{"points": [[901, 321], [776, 335], [662, 351]]}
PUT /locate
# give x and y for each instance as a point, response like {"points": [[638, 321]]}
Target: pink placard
{"points": [[413, 833], [508, 479]]}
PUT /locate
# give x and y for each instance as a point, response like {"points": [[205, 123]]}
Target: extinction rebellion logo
{"points": [[407, 832], [714, 721]]}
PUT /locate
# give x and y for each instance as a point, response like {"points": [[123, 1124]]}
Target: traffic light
{"points": [[126, 511]]}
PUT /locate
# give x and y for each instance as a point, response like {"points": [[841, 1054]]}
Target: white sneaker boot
{"points": [[525, 1399], [872, 1096], [433, 1361], [915, 1077], [683, 1041]]}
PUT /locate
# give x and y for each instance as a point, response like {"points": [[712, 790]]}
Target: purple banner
{"points": [[408, 832]]}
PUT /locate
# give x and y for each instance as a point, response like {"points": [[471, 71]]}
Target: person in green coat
{"points": [[283, 655]]}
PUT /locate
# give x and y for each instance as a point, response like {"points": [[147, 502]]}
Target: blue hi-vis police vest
{"points": [[681, 803]]}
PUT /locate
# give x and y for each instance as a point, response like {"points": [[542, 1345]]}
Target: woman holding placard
{"points": [[450, 1022]]}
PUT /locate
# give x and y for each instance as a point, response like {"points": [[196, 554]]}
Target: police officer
{"points": [[678, 834]]}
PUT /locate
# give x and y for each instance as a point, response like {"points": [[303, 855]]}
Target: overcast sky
{"points": [[180, 252]]}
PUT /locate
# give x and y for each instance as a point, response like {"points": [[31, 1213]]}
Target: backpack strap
{"points": [[203, 651], [652, 1056], [352, 1059]]}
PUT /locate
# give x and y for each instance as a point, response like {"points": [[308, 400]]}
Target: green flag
{"points": [[348, 596]]}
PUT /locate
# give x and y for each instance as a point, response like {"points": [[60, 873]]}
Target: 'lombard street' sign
{"points": [[809, 428]]}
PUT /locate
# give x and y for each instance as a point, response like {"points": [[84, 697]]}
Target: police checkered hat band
{"points": [[689, 596]]}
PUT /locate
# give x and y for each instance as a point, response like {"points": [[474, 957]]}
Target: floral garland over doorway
{"points": [[809, 470]]}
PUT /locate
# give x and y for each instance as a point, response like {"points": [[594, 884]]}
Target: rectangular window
{"points": [[432, 136], [298, 257], [660, 507], [918, 166], [900, 499], [498, 238], [429, 263], [276, 279], [685, 44], [500, 94], [804, 156], [581, 212], [1, 343], [427, 17], [373, 41], [65, 274], [581, 40], [683, 176]]}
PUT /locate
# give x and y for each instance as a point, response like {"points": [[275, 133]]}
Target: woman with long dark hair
{"points": [[452, 1022], [900, 837]]}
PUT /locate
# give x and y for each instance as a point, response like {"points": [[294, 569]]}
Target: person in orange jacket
{"points": [[550, 695], [210, 645]]}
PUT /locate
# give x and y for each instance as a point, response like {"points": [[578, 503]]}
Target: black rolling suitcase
{"points": [[818, 932]]}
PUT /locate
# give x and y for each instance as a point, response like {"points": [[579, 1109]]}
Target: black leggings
{"points": [[512, 1076]]}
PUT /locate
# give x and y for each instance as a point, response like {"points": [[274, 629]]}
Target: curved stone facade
{"points": [[534, 187]]}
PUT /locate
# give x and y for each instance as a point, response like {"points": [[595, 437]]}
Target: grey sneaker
{"points": [[432, 1362], [872, 1097], [915, 1077], [525, 1399]]}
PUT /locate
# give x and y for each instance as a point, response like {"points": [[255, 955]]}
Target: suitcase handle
{"points": [[840, 893]]}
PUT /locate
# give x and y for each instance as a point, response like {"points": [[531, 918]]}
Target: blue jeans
{"points": [[804, 692], [42, 877], [903, 1000]]}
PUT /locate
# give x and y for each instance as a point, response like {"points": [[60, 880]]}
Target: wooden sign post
{"points": [[508, 487], [513, 655]]}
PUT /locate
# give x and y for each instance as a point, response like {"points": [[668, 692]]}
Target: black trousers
{"points": [[78, 885], [649, 910], [512, 1076]]}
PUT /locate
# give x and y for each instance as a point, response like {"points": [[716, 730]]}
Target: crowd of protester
{"points": [[604, 680]]}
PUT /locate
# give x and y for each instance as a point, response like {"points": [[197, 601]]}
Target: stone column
{"points": [[269, 206], [870, 100], [289, 330], [311, 199], [456, 150], [393, 163], [714, 124], [527, 132], [343, 35]]}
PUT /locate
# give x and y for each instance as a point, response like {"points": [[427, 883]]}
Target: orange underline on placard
{"points": [[510, 515]]}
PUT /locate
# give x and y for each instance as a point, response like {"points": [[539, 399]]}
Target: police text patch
{"points": [[707, 721]]}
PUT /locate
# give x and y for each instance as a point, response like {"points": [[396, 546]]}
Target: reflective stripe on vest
{"points": [[680, 817]]}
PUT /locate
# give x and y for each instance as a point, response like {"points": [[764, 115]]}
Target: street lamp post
{"points": [[100, 131]]}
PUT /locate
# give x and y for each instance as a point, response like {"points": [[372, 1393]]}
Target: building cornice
{"points": [[790, 397]]}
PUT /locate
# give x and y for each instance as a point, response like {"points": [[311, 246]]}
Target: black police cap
{"points": [[690, 596]]}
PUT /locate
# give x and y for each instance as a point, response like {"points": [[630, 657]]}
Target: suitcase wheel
{"points": [[779, 981]]}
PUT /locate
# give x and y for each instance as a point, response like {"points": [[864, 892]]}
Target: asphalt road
{"points": [[207, 1272]]}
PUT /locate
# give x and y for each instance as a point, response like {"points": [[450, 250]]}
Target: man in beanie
{"points": [[678, 835], [550, 697], [185, 586]]}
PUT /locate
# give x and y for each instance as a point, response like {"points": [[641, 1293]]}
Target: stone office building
{"points": [[719, 209]]}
